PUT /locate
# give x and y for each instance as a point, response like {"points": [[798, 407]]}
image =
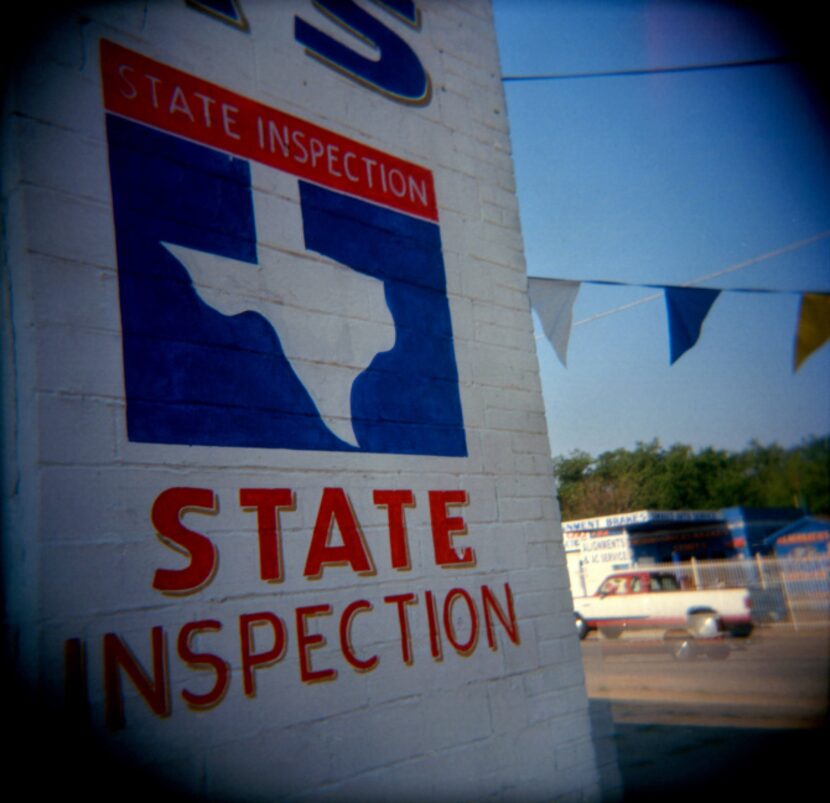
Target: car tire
{"points": [[611, 632], [703, 623], [581, 627]]}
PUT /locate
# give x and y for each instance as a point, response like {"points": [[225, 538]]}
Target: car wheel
{"points": [[611, 632], [703, 623], [581, 627]]}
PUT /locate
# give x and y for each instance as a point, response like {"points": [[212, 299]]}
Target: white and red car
{"points": [[639, 599]]}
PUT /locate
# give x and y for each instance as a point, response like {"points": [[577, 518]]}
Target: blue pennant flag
{"points": [[687, 308]]}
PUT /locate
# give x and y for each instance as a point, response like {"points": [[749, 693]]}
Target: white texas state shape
{"points": [[331, 320]]}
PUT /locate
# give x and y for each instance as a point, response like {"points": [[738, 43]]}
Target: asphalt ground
{"points": [[750, 726]]}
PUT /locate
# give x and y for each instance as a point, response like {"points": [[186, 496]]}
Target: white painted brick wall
{"points": [[80, 551]]}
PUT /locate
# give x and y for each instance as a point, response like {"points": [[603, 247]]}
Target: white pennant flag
{"points": [[553, 300]]}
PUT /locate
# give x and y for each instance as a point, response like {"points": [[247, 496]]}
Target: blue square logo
{"points": [[229, 342]]}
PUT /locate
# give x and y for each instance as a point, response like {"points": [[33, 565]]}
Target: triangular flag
{"points": [[225, 10], [687, 307], [553, 300], [813, 326]]}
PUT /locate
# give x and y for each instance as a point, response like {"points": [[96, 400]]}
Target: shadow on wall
{"points": [[54, 751]]}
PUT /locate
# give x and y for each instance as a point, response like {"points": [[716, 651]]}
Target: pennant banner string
{"points": [[686, 307], [690, 285], [682, 68], [730, 269]]}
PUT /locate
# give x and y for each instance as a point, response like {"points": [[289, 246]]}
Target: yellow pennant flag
{"points": [[813, 326]]}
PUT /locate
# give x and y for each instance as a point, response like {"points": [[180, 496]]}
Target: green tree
{"points": [[650, 476]]}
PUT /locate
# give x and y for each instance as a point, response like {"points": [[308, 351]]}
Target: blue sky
{"points": [[663, 179]]}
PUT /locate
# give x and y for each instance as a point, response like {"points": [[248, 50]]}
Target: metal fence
{"points": [[794, 589]]}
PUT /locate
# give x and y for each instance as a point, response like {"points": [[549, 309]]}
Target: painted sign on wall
{"points": [[231, 341], [246, 519]]}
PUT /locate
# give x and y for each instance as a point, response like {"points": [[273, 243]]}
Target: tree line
{"points": [[654, 477]]}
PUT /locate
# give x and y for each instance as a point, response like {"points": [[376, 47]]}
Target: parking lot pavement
{"points": [[685, 762], [753, 725]]}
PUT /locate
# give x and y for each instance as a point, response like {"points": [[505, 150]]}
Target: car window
{"points": [[664, 582], [613, 585]]}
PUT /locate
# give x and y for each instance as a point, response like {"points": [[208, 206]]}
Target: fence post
{"points": [[695, 572], [760, 561], [788, 592]]}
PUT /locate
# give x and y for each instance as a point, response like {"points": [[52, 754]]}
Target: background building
{"points": [[597, 547]]}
